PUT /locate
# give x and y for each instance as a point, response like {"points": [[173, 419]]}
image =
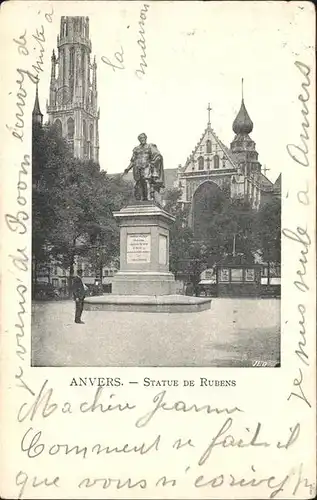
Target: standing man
{"points": [[79, 292]]}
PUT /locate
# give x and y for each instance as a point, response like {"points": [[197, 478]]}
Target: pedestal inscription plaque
{"points": [[138, 248], [144, 263]]}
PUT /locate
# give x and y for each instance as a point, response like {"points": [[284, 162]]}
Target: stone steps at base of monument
{"points": [[143, 283], [147, 303]]}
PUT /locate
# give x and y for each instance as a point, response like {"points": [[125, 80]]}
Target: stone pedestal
{"points": [[144, 251], [144, 282]]}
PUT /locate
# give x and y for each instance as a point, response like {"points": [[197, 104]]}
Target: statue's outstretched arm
{"points": [[128, 168], [130, 164]]}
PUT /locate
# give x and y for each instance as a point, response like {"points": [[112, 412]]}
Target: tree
{"points": [[269, 232], [232, 228], [229, 229], [187, 256], [73, 201], [225, 225], [85, 199], [104, 239], [49, 151], [181, 235]]}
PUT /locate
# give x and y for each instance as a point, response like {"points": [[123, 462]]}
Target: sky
{"points": [[196, 53]]}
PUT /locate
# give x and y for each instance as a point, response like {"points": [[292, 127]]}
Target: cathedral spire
{"points": [[37, 116], [242, 124]]}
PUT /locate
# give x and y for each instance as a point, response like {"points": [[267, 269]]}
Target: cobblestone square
{"points": [[234, 332]]}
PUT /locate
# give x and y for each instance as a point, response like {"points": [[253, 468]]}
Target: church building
{"points": [[72, 105], [236, 171]]}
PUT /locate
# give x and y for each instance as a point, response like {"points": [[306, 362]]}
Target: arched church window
{"points": [[59, 127], [216, 161], [223, 162], [208, 163], [70, 128], [200, 163], [208, 146]]}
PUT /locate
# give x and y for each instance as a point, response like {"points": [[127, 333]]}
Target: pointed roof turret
{"points": [[277, 187], [36, 113], [94, 72], [242, 123], [53, 67]]}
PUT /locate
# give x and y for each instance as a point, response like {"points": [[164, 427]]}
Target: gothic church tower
{"points": [[73, 89]]}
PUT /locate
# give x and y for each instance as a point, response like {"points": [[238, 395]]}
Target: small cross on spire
{"points": [[242, 88], [265, 169], [209, 109]]}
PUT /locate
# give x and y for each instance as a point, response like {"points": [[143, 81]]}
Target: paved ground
{"points": [[234, 332]]}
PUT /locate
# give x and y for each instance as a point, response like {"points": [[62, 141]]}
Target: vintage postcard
{"points": [[158, 305]]}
